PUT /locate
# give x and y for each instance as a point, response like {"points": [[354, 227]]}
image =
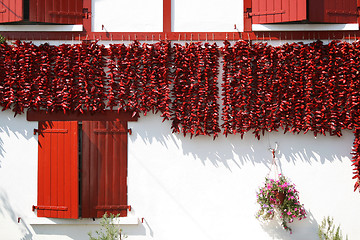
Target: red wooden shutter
{"points": [[104, 168], [58, 182], [276, 11], [11, 11], [312, 11], [59, 11], [333, 11]]}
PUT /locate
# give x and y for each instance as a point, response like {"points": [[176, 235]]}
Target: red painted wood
{"points": [[278, 8], [58, 208], [175, 36], [314, 11], [86, 116], [87, 20], [58, 170], [11, 11], [358, 6], [270, 4], [333, 11], [104, 170], [166, 15], [247, 18], [276, 11], [62, 12]]}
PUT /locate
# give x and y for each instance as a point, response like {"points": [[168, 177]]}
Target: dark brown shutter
{"points": [[104, 168], [311, 11], [58, 191], [11, 11], [59, 11]]}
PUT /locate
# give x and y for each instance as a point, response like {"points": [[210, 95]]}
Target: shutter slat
{"points": [[107, 171], [56, 141], [58, 170], [11, 11], [61, 12], [61, 176], [319, 11], [101, 167]]}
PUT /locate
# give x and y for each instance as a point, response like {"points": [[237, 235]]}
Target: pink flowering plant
{"points": [[270, 203]]}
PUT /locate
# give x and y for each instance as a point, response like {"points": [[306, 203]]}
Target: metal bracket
{"points": [[251, 14], [248, 12], [346, 13], [86, 13]]}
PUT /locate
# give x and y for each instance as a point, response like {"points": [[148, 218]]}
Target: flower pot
{"points": [[279, 196]]}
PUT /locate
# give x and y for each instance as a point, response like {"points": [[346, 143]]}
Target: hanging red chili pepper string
{"points": [[237, 73], [46, 76], [91, 82], [195, 91], [155, 95], [9, 85], [139, 78], [298, 87], [5, 97], [294, 86]]}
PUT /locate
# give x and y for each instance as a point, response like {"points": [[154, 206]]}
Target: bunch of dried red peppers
{"points": [[297, 87]]}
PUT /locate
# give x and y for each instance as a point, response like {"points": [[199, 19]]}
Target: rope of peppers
{"points": [[297, 87]]}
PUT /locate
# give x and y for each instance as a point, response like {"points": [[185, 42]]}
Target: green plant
{"points": [[2, 39], [108, 229], [327, 230], [288, 208]]}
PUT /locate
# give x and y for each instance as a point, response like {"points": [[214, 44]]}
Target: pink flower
{"points": [[289, 213]]}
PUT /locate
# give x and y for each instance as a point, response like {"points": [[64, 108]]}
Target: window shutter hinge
{"points": [[54, 208], [248, 12], [130, 131], [113, 207], [36, 131], [86, 13], [265, 13], [346, 13]]}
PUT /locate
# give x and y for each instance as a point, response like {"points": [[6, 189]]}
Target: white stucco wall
{"points": [[205, 189], [207, 16], [147, 16], [127, 16], [190, 188]]}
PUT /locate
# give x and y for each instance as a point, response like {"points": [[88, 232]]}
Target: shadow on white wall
{"points": [[301, 229], [292, 147], [12, 127], [17, 229]]}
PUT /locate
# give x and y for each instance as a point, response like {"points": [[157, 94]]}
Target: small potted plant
{"points": [[279, 197]]}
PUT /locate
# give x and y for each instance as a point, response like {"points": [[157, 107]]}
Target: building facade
{"points": [[169, 180]]}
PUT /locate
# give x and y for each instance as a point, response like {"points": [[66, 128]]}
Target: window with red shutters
{"points": [[308, 11], [82, 169], [42, 11]]}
